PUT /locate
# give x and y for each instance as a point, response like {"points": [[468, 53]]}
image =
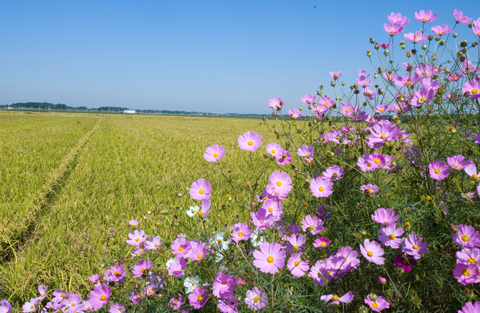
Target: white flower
{"points": [[191, 283], [219, 242], [193, 211], [256, 239], [218, 256]]}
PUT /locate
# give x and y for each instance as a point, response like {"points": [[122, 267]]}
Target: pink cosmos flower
{"points": [[368, 189], [256, 299], [321, 243], [425, 17], [205, 209], [473, 87], [382, 280], [334, 75], [321, 187], [137, 238], [379, 304], [382, 132], [346, 298], [438, 170], [376, 160], [468, 256], [306, 151], [284, 158], [223, 285], [308, 98], [296, 265], [391, 78], [469, 307], [313, 224], [154, 243], [73, 303], [393, 29], [133, 223], [385, 45], [200, 189], [471, 170], [289, 231], [414, 246], [381, 108], [241, 231], [94, 278], [180, 246], [276, 103], [476, 27], [29, 306], [457, 162], [442, 30], [274, 208], [280, 182], [369, 93], [294, 113], [455, 76], [270, 258], [176, 301], [319, 273], [115, 273], [398, 19], [197, 251], [198, 297], [372, 251], [385, 217], [466, 274], [228, 305], [467, 237], [325, 103], [390, 236], [250, 141], [421, 96], [99, 296], [141, 267], [5, 307], [460, 18], [261, 219], [407, 80], [364, 164], [333, 173], [177, 266], [117, 308], [295, 244], [416, 37], [404, 262], [214, 153], [274, 149]]}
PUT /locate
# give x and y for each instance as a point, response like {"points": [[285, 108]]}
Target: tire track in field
{"points": [[45, 198]]}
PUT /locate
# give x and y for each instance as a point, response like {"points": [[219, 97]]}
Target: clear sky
{"points": [[208, 56]]}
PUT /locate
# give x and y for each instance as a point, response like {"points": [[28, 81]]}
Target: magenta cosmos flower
{"points": [[295, 244], [214, 153], [198, 297], [386, 217], [250, 141], [256, 299], [5, 307], [378, 305], [393, 29], [99, 296], [398, 19], [416, 37], [274, 208], [241, 232], [141, 267], [334, 75], [306, 151], [414, 246], [176, 301], [294, 113], [180, 246], [425, 17], [154, 243], [457, 162], [467, 237], [270, 258], [368, 189], [346, 298], [438, 170], [228, 305], [284, 158], [137, 238], [469, 307], [296, 265], [472, 87], [404, 262], [274, 149], [442, 30], [459, 18], [312, 224], [321, 187], [205, 209], [176, 266], [280, 182], [197, 251], [372, 251], [333, 173], [261, 219], [223, 285], [390, 236], [321, 242], [466, 274], [276, 103], [308, 99], [200, 189]]}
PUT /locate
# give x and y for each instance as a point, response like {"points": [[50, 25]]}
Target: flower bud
{"points": [[377, 46], [319, 93], [343, 83], [356, 91], [372, 40], [474, 44], [455, 35], [437, 38], [373, 297], [430, 37], [365, 104], [381, 91], [424, 47], [463, 43], [375, 75], [369, 54], [380, 70], [477, 77], [333, 84], [470, 25], [442, 42], [403, 47], [382, 280], [264, 118], [409, 54]]}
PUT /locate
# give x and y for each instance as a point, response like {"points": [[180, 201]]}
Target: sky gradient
{"points": [[206, 56]]}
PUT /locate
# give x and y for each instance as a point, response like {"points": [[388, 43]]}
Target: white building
{"points": [[129, 111]]}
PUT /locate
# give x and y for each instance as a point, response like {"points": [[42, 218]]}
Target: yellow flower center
{"points": [[329, 272], [424, 19], [466, 272], [240, 234], [475, 91], [437, 170], [312, 226], [180, 249], [270, 259], [321, 189], [407, 83], [472, 260], [199, 298], [156, 245], [465, 238], [382, 109], [137, 239], [273, 151], [377, 161], [422, 99], [375, 305], [73, 304], [150, 291], [250, 143], [103, 297], [215, 155], [142, 270], [219, 240], [116, 273], [440, 32], [369, 253], [307, 155], [201, 191], [31, 307], [200, 213], [323, 244], [415, 247], [369, 190], [392, 31], [279, 183], [296, 263], [256, 299], [335, 298], [475, 176], [270, 210], [199, 255], [347, 110], [295, 247], [392, 236]]}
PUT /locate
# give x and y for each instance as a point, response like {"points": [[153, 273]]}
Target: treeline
{"points": [[58, 106]]}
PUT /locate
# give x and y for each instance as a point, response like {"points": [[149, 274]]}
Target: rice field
{"points": [[105, 170]]}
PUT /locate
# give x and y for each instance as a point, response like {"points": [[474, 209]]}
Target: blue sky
{"points": [[207, 56]]}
